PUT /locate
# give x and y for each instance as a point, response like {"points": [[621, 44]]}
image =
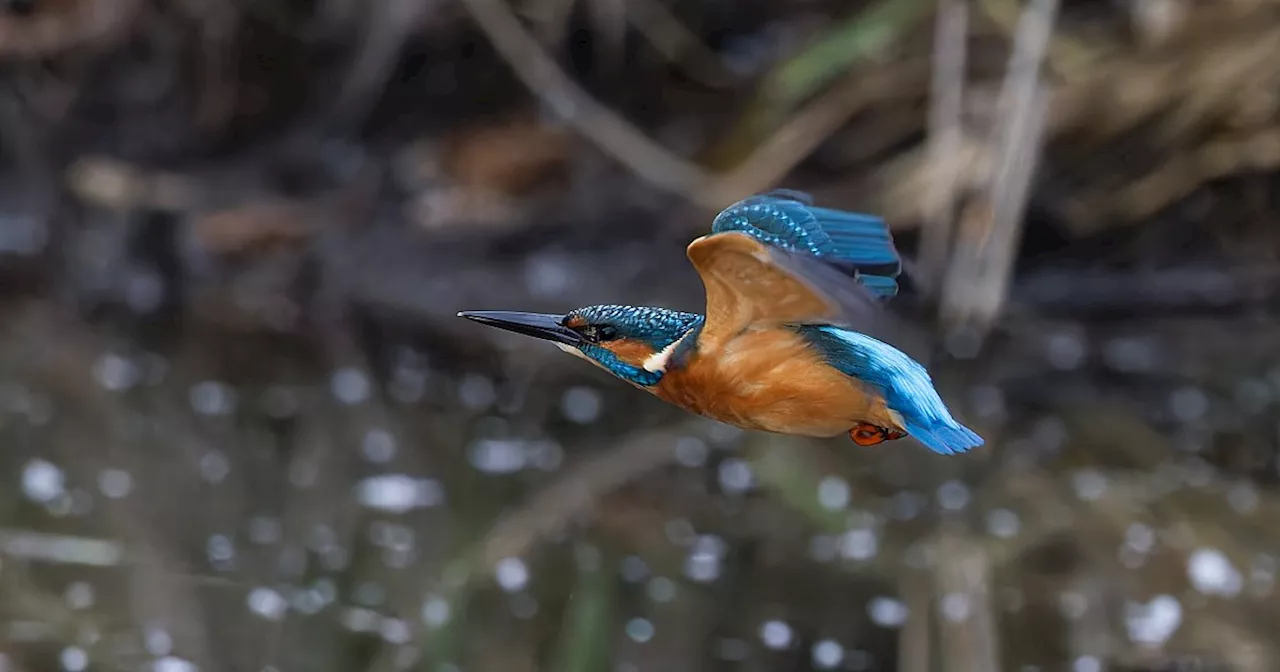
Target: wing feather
{"points": [[750, 283]]}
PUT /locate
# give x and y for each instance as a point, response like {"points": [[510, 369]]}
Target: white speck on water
{"points": [[174, 664], [1072, 605], [953, 495], [116, 373], [661, 589], [476, 392], [267, 603], [1153, 623], [158, 642], [1086, 664], [691, 451], [219, 549], [398, 493], [1140, 538], [349, 385], [360, 619], [395, 630], [435, 611], [1003, 523], [79, 595], [211, 397], [498, 456], [1211, 573], [115, 483], [775, 634], [735, 476], [888, 612], [827, 654], [1066, 351], [633, 569], [512, 574], [42, 481], [73, 659], [906, 505], [703, 563], [1089, 484], [581, 405], [1188, 404], [858, 544], [640, 630], [1243, 498], [264, 530], [378, 446], [955, 607], [833, 493], [214, 466]]}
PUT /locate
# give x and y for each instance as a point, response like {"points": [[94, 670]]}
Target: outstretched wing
{"points": [[748, 283], [858, 245]]}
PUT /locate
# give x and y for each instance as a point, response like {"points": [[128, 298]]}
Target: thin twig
{"points": [[946, 134], [602, 126]]}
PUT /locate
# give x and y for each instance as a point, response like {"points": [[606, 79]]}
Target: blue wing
{"points": [[856, 243], [905, 385]]}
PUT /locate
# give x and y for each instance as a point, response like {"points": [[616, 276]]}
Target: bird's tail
{"points": [[945, 436]]}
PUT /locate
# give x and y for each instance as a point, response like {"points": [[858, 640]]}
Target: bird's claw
{"points": [[867, 434]]}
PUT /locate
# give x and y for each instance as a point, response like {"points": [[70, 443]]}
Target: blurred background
{"points": [[241, 427]]}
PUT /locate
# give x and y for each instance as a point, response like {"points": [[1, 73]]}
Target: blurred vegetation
{"points": [[241, 429]]}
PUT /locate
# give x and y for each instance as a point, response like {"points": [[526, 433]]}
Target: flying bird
{"points": [[791, 290]]}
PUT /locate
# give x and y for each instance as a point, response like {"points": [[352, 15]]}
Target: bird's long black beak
{"points": [[537, 325]]}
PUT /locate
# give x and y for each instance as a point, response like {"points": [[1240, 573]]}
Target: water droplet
{"points": [[1086, 664], [498, 456], [1003, 523], [735, 476], [158, 642], [349, 385], [581, 405], [511, 574], [1152, 624], [212, 398], [775, 634], [833, 493], [1072, 605], [1140, 538], [1066, 351], [888, 612], [395, 630], [115, 483], [827, 654], [435, 611], [955, 607], [42, 481], [219, 549], [79, 595], [661, 589], [953, 495], [691, 451], [174, 664], [73, 659], [116, 373], [476, 392], [1089, 484], [1188, 404], [378, 446], [634, 569], [398, 493], [858, 544], [639, 630], [267, 603], [1211, 573]]}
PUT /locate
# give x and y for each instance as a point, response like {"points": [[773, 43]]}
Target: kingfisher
{"points": [[794, 293]]}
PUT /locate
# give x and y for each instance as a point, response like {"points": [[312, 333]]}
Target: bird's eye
{"points": [[606, 333]]}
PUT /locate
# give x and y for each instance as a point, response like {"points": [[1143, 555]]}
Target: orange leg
{"points": [[867, 434]]}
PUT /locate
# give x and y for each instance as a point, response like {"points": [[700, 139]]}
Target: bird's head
{"points": [[633, 343]]}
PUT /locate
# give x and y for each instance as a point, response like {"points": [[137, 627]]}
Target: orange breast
{"points": [[772, 380]]}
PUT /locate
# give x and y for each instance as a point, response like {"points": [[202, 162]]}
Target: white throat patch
{"points": [[657, 362]]}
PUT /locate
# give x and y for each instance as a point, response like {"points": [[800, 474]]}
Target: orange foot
{"points": [[867, 434]]}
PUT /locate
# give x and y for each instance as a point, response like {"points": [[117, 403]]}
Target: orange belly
{"points": [[772, 380]]}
